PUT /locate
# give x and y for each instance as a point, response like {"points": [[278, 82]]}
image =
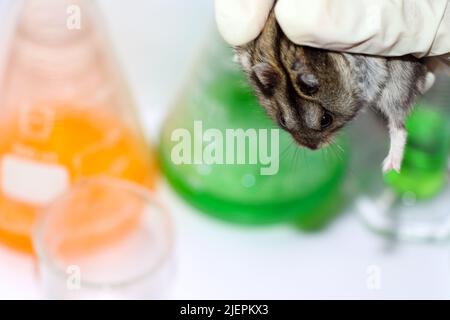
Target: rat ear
{"points": [[308, 83], [305, 79], [266, 77]]}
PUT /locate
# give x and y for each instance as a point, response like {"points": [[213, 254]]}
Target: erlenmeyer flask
{"points": [[303, 186], [65, 113]]}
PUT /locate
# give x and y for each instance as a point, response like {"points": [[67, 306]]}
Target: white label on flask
{"points": [[32, 182]]}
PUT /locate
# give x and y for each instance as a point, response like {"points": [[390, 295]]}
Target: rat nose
{"points": [[310, 144]]}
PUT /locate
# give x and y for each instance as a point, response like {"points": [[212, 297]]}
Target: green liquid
{"points": [[424, 168], [306, 188]]}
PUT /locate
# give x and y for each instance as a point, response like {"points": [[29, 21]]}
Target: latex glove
{"points": [[241, 21], [380, 27]]}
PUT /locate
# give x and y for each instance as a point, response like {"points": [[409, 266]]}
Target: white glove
{"points": [[241, 21], [380, 27]]}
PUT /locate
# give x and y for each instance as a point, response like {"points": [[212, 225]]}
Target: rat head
{"points": [[305, 91]]}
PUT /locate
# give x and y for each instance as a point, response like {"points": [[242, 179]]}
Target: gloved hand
{"points": [[379, 27]]}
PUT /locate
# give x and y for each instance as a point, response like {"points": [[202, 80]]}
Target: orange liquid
{"points": [[83, 141], [95, 217]]}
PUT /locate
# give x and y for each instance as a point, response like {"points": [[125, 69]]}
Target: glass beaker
{"points": [[413, 204], [105, 239], [260, 178], [65, 113]]}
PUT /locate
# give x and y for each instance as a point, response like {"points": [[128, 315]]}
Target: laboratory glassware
{"points": [[105, 238], [65, 113], [413, 205]]}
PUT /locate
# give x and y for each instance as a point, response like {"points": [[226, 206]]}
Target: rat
{"points": [[313, 93]]}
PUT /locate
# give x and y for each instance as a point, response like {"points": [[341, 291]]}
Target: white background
{"points": [[156, 41]]}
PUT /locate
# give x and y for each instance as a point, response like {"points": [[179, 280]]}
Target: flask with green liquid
{"points": [[414, 204], [262, 178]]}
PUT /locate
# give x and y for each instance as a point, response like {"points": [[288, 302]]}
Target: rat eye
{"points": [[326, 121]]}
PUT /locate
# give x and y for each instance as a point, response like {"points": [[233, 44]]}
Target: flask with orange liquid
{"points": [[65, 113]]}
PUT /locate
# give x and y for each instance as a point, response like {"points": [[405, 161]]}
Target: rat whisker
{"points": [[339, 147], [286, 151], [336, 152]]}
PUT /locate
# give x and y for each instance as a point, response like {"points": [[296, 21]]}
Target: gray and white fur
{"points": [[313, 93]]}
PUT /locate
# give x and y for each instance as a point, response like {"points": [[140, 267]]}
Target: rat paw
{"points": [[392, 163]]}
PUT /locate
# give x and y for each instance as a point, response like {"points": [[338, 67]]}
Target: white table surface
{"points": [[216, 260]]}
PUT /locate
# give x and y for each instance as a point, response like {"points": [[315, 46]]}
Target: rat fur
{"points": [[313, 93]]}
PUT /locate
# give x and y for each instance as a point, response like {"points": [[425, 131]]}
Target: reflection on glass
{"points": [[105, 238]]}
